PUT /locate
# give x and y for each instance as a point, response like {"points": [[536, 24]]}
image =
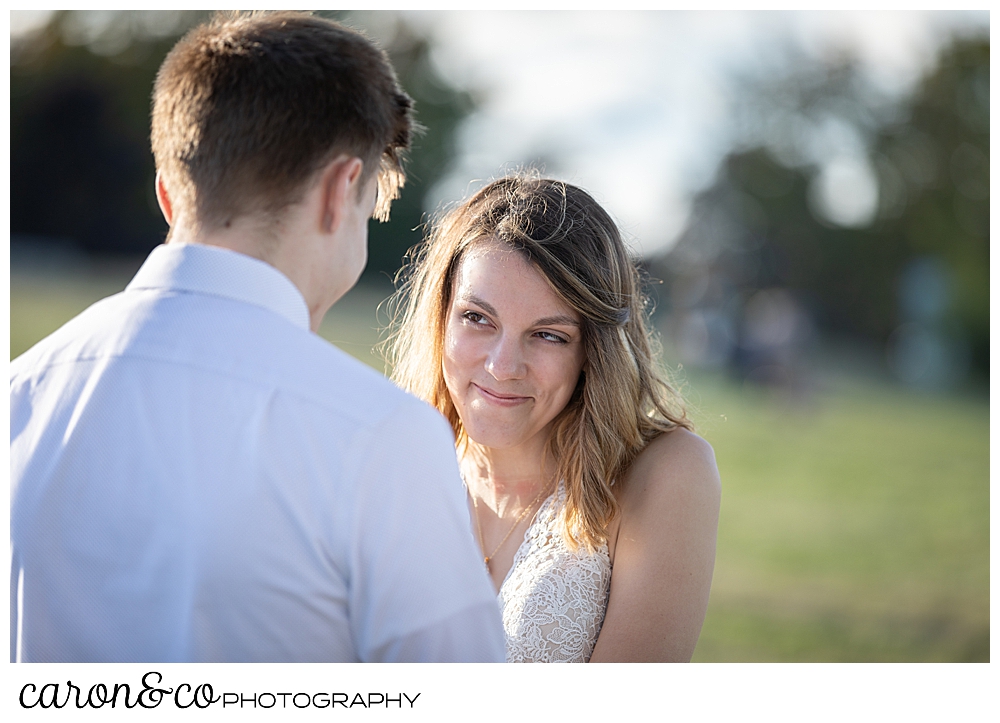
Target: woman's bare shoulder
{"points": [[675, 466], [665, 552]]}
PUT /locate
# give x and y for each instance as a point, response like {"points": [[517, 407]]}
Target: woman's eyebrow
{"points": [[485, 305], [560, 320], [557, 320]]}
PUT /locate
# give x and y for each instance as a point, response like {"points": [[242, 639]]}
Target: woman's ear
{"points": [[163, 198]]}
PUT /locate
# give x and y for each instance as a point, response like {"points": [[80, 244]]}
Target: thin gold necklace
{"points": [[479, 526]]}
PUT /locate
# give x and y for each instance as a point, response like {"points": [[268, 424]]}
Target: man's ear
{"points": [[339, 186], [163, 198]]}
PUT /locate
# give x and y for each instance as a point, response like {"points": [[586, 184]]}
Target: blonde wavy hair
{"points": [[622, 400]]}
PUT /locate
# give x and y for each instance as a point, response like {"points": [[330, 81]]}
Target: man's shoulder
{"points": [[68, 341], [204, 337], [330, 378]]}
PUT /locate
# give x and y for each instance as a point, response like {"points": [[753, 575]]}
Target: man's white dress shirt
{"points": [[197, 477]]}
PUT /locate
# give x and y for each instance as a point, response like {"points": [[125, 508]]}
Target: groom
{"points": [[197, 476]]}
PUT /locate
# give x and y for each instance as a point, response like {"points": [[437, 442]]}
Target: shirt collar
{"points": [[202, 269]]}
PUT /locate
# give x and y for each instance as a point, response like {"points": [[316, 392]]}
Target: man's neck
{"points": [[318, 242], [263, 243], [240, 235]]}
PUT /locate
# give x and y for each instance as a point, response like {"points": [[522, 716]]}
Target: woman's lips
{"points": [[503, 400]]}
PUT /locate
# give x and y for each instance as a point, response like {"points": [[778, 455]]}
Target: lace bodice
{"points": [[553, 599]]}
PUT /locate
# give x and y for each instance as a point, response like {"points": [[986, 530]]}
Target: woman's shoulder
{"points": [[674, 468], [678, 442], [664, 552]]}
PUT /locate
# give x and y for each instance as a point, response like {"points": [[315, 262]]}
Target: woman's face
{"points": [[513, 350]]}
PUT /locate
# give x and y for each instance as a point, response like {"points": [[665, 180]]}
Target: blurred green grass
{"points": [[854, 523]]}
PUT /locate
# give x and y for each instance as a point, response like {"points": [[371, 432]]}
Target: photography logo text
{"points": [[152, 691]]}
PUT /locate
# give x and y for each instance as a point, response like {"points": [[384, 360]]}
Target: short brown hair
{"points": [[247, 107], [623, 399]]}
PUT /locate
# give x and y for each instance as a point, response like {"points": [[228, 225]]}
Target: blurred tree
{"points": [[935, 184], [81, 168], [439, 110], [762, 224]]}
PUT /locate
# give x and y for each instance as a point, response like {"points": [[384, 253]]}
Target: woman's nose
{"points": [[506, 360]]}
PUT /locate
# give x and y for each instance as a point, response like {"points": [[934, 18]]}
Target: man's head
{"points": [[248, 108]]}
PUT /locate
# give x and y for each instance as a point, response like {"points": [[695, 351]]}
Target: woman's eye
{"points": [[549, 336], [474, 317]]}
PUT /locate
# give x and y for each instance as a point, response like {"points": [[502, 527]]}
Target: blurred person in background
{"points": [[773, 335], [197, 476], [595, 505]]}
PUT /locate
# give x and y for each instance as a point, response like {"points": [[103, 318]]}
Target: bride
{"points": [[594, 503]]}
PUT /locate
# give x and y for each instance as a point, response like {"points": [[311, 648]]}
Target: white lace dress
{"points": [[553, 599]]}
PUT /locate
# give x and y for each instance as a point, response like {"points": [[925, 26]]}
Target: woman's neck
{"points": [[506, 479]]}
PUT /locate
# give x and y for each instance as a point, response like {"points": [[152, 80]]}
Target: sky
{"points": [[634, 106]]}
